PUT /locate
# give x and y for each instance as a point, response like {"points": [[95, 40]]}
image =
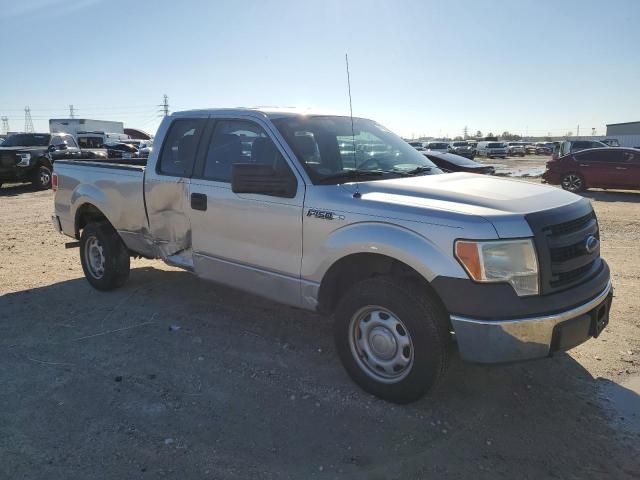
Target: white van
{"points": [[492, 149]]}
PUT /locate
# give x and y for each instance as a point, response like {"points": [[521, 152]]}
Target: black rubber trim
{"points": [[498, 301]]}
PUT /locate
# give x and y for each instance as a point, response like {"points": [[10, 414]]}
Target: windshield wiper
{"points": [[351, 175], [417, 170]]}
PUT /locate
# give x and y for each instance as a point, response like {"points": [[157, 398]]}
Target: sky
{"points": [[418, 67]]}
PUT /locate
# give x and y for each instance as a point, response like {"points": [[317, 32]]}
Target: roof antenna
{"points": [[353, 135]]}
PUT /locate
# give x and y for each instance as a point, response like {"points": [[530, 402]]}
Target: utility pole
{"points": [[72, 113], [28, 123], [165, 105], [5, 125], [593, 132], [466, 132], [578, 131]]}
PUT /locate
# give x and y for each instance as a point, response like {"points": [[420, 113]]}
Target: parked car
{"points": [[608, 167], [572, 146], [515, 149], [437, 147], [492, 149], [144, 149], [451, 162], [462, 148], [121, 150], [399, 254], [29, 157]]}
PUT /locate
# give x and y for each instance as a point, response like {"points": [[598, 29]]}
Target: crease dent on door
{"points": [[171, 227]]}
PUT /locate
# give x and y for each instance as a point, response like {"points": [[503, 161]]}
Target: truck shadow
{"points": [[16, 189], [170, 361], [613, 195]]}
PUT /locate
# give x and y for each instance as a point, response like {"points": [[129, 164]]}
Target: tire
{"points": [[573, 182], [104, 257], [396, 314], [42, 177]]}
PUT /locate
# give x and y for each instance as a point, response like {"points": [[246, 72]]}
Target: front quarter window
{"points": [[328, 146]]}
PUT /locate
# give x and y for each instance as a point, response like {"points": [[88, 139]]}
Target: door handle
{"points": [[199, 201], [621, 168]]}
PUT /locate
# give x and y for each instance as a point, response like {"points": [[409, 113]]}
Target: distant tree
{"points": [[510, 136], [458, 138], [568, 134], [479, 134], [490, 134]]}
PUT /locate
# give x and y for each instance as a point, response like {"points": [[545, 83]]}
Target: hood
{"points": [[503, 202]]}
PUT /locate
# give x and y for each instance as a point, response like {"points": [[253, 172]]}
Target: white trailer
{"points": [[74, 125]]}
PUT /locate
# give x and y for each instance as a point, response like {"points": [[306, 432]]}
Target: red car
{"points": [[596, 167]]}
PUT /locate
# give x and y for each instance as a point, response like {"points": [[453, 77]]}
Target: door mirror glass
{"points": [[262, 179]]}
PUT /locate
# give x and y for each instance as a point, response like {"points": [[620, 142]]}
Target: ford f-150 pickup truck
{"points": [[407, 259]]}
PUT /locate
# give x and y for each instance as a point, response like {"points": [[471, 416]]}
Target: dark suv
{"points": [[604, 167], [29, 157]]}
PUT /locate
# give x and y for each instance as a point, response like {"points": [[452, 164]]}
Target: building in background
{"points": [[628, 133]]}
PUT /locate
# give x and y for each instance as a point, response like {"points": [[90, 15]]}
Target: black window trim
{"points": [[158, 169]]}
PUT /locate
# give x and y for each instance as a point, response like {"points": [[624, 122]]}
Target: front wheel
{"points": [[573, 182], [104, 257], [42, 177], [392, 337]]}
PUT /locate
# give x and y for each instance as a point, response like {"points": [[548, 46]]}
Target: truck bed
{"points": [[111, 186]]}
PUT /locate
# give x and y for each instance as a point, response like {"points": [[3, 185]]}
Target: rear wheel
{"points": [[573, 182], [104, 257], [392, 337], [42, 177]]}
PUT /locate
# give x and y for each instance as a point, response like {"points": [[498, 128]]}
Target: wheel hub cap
{"points": [[94, 255], [381, 345]]}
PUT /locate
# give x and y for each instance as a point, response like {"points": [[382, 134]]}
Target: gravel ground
{"points": [[177, 378]]}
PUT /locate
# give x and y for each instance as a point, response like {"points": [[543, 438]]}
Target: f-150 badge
{"points": [[324, 214]]}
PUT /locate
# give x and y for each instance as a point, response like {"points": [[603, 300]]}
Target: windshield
{"points": [[438, 146], [496, 145], [326, 148], [27, 140]]}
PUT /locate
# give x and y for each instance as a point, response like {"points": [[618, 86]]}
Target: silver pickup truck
{"points": [[341, 216]]}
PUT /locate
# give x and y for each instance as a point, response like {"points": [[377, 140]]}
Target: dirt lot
{"points": [[174, 377]]}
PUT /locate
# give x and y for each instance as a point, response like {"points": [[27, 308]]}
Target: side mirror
{"points": [[51, 148], [262, 179]]}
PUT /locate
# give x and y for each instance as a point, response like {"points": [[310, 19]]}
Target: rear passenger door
{"points": [[166, 187], [249, 241], [630, 167]]}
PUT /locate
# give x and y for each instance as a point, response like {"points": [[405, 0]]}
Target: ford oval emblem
{"points": [[591, 244]]}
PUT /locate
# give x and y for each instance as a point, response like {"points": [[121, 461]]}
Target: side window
{"points": [[70, 141], [57, 141], [587, 157], [179, 148], [240, 141]]}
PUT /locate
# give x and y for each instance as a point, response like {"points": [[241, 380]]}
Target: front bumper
{"points": [[485, 341]]}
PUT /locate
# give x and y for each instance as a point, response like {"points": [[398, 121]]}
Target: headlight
{"points": [[511, 261], [24, 159]]}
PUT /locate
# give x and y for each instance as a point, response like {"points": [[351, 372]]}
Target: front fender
{"points": [[400, 243]]}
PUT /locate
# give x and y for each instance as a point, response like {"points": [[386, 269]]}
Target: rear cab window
{"points": [[179, 149]]}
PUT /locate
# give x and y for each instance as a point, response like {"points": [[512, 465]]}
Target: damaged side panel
{"points": [[167, 209]]}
